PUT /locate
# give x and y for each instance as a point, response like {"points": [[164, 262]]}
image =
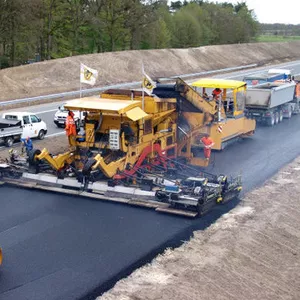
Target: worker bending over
{"points": [[208, 143], [71, 128], [27, 143]]}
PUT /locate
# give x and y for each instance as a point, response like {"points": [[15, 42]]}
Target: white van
{"points": [[32, 125], [60, 116]]}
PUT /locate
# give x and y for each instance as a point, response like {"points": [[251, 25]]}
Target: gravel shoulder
{"points": [[250, 253]]}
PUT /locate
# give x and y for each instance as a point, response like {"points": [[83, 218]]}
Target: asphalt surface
{"points": [[64, 247]]}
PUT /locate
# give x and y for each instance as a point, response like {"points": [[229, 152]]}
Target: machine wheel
{"points": [[9, 141], [87, 168], [276, 117], [31, 156], [271, 120], [41, 135], [280, 116], [160, 195]]}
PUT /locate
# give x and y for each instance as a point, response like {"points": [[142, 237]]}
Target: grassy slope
{"points": [[277, 38]]}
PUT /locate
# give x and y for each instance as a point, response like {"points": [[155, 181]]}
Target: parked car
{"points": [[30, 123], [61, 116]]}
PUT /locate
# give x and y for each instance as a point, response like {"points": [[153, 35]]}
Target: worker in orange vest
{"points": [[71, 128], [298, 89], [208, 143]]}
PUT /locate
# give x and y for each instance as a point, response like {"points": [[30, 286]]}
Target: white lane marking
{"points": [[260, 71], [44, 112], [55, 134]]}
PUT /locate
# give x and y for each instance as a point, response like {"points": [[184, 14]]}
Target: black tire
{"points": [[41, 135], [280, 116], [31, 157], [276, 117], [9, 141], [87, 168], [160, 195], [271, 120]]}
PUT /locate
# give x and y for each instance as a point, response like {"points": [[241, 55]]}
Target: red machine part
{"points": [[144, 163]]}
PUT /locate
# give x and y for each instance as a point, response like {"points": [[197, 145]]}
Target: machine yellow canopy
{"points": [[127, 107], [219, 83]]}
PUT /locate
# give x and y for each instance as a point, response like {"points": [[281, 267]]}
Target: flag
{"points": [[88, 75], [148, 84]]}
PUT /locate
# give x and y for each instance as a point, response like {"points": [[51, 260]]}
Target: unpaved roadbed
{"points": [[55, 145], [250, 253]]}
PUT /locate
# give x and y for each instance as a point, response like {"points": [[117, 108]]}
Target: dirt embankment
{"points": [[250, 253], [62, 75]]}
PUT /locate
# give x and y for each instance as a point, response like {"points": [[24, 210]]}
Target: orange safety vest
{"points": [[70, 126], [207, 141], [298, 90]]}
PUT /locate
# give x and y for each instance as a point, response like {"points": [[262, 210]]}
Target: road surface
{"points": [[64, 247]]}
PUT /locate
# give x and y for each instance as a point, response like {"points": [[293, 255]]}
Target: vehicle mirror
{"points": [[59, 107]]}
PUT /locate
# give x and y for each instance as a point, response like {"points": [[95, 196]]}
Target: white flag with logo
{"points": [[88, 75], [148, 84]]}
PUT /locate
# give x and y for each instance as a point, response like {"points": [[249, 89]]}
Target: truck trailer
{"points": [[271, 102]]}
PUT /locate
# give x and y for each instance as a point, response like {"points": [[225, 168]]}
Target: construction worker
{"points": [[71, 128], [27, 143], [208, 143], [216, 93]]}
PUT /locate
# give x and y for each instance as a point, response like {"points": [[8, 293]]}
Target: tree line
{"points": [[34, 30], [280, 29]]}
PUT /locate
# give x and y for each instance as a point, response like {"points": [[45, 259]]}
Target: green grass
{"points": [[277, 38]]}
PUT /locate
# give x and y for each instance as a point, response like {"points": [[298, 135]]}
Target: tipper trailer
{"points": [[271, 102]]}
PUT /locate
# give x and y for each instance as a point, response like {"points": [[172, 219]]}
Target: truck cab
{"points": [[32, 125], [273, 75]]}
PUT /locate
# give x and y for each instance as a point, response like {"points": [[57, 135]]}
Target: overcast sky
{"points": [[274, 11]]}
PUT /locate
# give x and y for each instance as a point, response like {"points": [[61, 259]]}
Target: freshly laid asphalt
{"points": [[63, 247]]}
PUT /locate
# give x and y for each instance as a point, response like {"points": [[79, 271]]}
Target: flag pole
{"points": [[143, 92], [80, 81]]}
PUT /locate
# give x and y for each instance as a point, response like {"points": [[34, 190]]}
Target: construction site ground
{"points": [[250, 253], [55, 145]]}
